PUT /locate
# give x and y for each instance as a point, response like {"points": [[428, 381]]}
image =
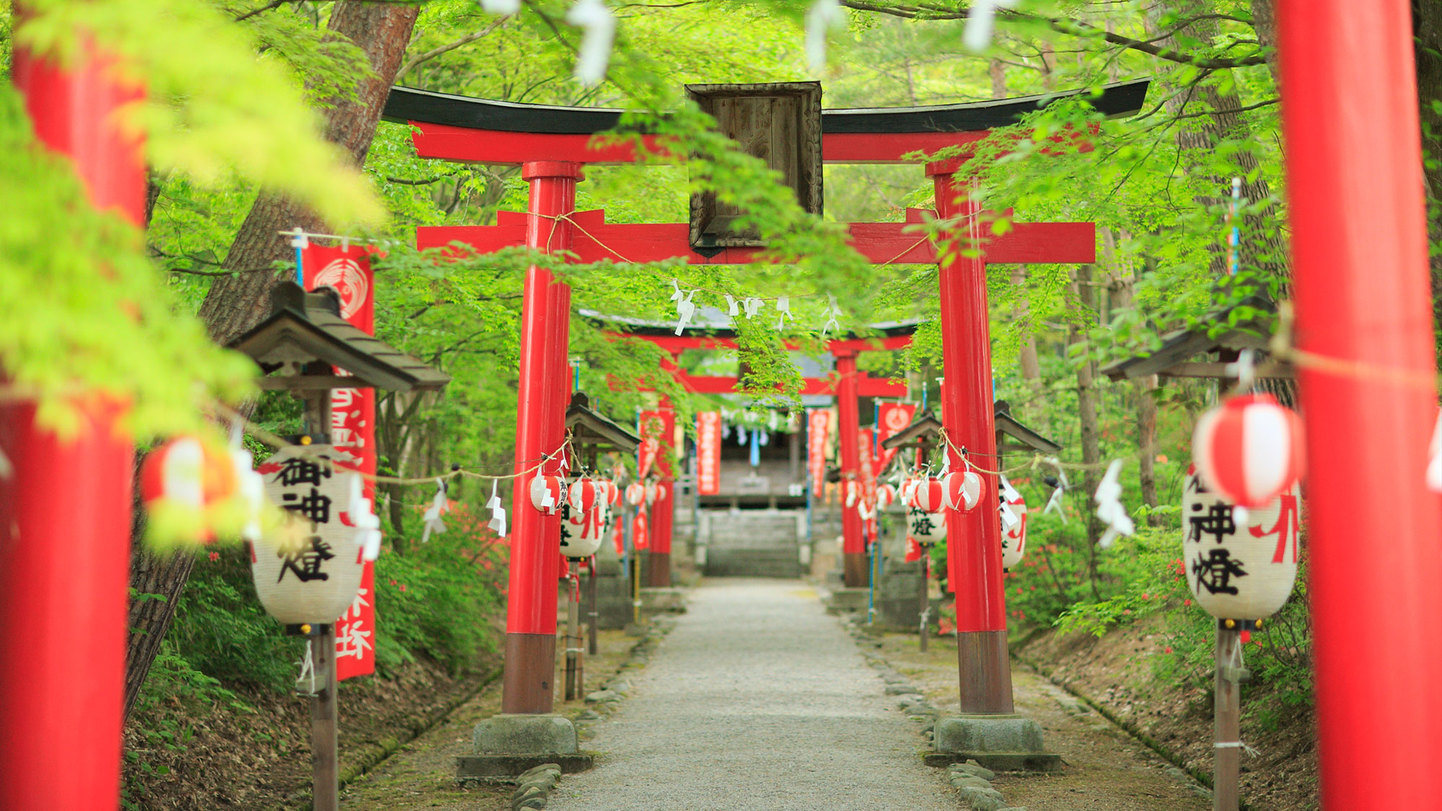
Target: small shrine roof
{"points": [[1174, 357], [927, 425], [305, 328], [587, 426]]}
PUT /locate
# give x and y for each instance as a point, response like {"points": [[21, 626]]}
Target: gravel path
{"points": [[756, 700]]}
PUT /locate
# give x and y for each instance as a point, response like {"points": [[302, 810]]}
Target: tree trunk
{"points": [[1086, 396], [236, 303], [1427, 25]]}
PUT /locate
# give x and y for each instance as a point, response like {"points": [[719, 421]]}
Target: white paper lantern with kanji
{"points": [[924, 526], [961, 491], [309, 570], [1239, 569], [547, 493], [1013, 538], [928, 495], [1249, 449], [582, 532]]}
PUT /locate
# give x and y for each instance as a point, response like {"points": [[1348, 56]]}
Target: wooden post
{"points": [[325, 767], [593, 616], [573, 632], [1228, 718], [925, 602]]}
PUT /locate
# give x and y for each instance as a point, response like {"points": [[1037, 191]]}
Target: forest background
{"points": [[264, 116]]}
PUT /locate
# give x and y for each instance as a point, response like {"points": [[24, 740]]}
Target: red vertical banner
{"points": [[708, 453], [817, 423], [893, 418], [866, 478], [352, 432], [656, 429]]}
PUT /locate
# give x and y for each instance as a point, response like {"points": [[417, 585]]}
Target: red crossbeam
{"points": [[881, 243], [676, 344], [866, 386], [493, 146]]}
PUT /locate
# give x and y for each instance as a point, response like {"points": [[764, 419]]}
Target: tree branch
{"points": [[447, 48]]}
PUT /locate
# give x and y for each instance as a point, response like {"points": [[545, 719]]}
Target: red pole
{"points": [[967, 414], [65, 512], [530, 657], [663, 512], [1359, 243], [853, 550]]}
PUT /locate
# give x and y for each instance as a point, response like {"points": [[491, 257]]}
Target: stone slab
{"points": [[844, 600], [655, 600], [999, 761], [506, 768], [518, 734]]}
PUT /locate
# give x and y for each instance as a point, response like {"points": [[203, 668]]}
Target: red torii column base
{"points": [[530, 654], [65, 511]]}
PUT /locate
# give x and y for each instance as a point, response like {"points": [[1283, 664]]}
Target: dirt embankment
{"points": [[1114, 674]]}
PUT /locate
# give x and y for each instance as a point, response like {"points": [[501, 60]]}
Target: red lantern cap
{"points": [[1249, 449]]}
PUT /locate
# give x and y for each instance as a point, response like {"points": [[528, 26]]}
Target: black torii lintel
{"points": [[406, 104]]}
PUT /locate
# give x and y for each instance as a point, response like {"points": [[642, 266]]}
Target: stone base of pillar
{"points": [[998, 742]]}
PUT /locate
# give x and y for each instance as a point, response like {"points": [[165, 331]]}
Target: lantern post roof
{"points": [[305, 328], [926, 426], [1175, 356], [590, 428]]}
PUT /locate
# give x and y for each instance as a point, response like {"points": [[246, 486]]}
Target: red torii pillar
{"points": [[543, 392], [855, 570], [1359, 242], [968, 414], [663, 512], [65, 510]]}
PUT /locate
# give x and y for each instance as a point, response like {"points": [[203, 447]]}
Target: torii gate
{"points": [[553, 145], [848, 385]]}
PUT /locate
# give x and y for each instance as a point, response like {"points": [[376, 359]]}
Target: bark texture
{"points": [[234, 304]]}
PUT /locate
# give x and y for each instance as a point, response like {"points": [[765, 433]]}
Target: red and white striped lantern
{"points": [[1249, 449], [635, 494], [961, 491], [885, 496], [185, 477], [928, 495], [1013, 538], [583, 494], [547, 493]]}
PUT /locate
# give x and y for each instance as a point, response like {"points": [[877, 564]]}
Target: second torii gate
{"points": [[848, 385], [553, 144]]}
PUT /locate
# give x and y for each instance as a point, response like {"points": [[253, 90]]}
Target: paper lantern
{"points": [[582, 495], [1240, 564], [309, 570], [635, 495], [613, 493], [928, 495], [651, 491], [184, 478], [1013, 538], [547, 493], [1249, 449], [908, 486], [961, 491], [926, 526], [885, 496], [582, 531]]}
